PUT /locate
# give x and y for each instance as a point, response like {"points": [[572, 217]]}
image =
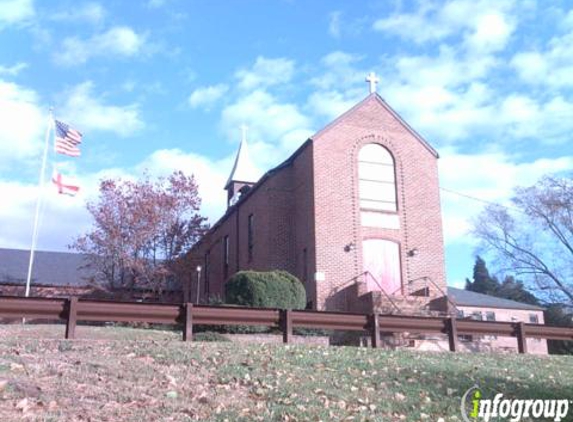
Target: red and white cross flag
{"points": [[67, 140], [65, 186]]}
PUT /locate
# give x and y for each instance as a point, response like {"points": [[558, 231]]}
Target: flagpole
{"points": [[39, 201]]}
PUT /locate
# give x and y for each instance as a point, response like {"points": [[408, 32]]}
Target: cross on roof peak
{"points": [[373, 80]]}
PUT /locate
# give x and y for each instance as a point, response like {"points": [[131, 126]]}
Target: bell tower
{"points": [[243, 175]]}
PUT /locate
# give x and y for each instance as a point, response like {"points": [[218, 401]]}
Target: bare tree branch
{"points": [[538, 242]]}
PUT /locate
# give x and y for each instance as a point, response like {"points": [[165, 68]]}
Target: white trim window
{"points": [[376, 179]]}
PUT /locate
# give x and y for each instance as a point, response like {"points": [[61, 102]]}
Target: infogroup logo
{"points": [[475, 407]]}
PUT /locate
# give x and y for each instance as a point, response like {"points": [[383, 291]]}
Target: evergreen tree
{"points": [[559, 316], [514, 290], [482, 281]]}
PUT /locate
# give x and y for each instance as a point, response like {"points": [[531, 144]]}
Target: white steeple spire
{"points": [[243, 170]]}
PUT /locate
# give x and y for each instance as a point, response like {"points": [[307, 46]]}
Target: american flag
{"points": [[67, 140]]}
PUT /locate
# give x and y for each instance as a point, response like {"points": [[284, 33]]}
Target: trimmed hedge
{"points": [[271, 289]]}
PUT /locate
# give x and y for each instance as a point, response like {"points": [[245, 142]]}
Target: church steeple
{"points": [[243, 173]]}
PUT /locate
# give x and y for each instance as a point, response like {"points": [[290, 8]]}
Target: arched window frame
{"points": [[377, 188]]}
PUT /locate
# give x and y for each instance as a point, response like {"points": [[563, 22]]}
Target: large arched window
{"points": [[377, 182]]}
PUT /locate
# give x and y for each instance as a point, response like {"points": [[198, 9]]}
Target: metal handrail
{"points": [[383, 291], [426, 279]]}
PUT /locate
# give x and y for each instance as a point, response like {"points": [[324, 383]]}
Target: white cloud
{"points": [[444, 114], [484, 24], [334, 24], [415, 27], [22, 123], [489, 176], [155, 4], [210, 175], [16, 11], [13, 70], [121, 41], [450, 97], [88, 111], [525, 117], [551, 66], [339, 71], [450, 115], [339, 85], [531, 66], [446, 69], [57, 232], [265, 73], [93, 13], [269, 120], [207, 96], [491, 32], [61, 217], [331, 104], [64, 218]]}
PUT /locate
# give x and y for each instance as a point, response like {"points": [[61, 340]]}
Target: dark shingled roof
{"points": [[50, 268], [467, 298]]}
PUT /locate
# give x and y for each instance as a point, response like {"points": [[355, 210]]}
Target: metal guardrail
{"points": [[73, 310]]}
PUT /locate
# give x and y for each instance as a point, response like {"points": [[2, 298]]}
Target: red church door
{"points": [[382, 260]]}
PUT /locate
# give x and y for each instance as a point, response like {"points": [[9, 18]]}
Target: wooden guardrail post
{"points": [[188, 322], [374, 330], [72, 317], [285, 317], [521, 337], [452, 330]]}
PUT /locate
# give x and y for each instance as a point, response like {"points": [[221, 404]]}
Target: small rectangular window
{"points": [[490, 316], [251, 236], [225, 257], [533, 319]]}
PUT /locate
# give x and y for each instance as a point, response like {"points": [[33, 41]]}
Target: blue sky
{"points": [[166, 84]]}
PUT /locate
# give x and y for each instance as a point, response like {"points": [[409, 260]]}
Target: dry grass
{"points": [[122, 374]]}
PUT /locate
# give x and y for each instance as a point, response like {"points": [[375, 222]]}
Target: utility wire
{"points": [[483, 201]]}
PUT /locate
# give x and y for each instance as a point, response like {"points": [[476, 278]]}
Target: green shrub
{"points": [[271, 289], [210, 336]]}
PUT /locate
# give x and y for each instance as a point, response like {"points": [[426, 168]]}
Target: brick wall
{"points": [[536, 346], [306, 211], [281, 206], [337, 206]]}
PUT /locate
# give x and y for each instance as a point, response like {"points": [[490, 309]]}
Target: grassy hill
{"points": [[123, 374]]}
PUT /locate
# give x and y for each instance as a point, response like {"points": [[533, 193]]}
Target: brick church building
{"points": [[354, 213]]}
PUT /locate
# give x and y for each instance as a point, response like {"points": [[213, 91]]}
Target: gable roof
{"points": [[50, 268], [376, 97], [270, 173], [468, 298], [257, 183]]}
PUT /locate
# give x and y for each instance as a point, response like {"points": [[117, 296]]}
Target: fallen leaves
{"points": [[172, 381]]}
